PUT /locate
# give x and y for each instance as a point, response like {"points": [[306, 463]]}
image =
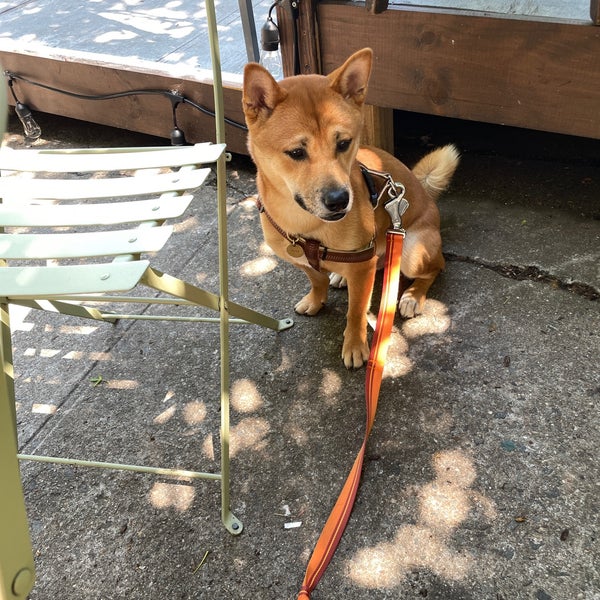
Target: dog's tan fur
{"points": [[304, 137]]}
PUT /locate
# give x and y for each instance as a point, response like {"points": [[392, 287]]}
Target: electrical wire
{"points": [[174, 97]]}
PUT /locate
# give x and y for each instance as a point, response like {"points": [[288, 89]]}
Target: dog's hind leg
{"points": [[337, 281], [412, 300], [422, 260]]}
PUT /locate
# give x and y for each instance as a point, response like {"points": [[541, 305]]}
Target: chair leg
{"points": [[230, 521], [17, 572], [232, 524]]}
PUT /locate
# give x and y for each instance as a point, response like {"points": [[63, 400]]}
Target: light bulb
{"points": [[31, 128], [270, 58]]}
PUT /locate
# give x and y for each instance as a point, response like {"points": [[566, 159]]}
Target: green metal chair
{"points": [[37, 271]]}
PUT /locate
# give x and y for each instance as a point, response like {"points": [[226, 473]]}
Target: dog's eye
{"points": [[297, 154], [343, 145]]}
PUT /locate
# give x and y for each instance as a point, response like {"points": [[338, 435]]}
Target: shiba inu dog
{"points": [[316, 191]]}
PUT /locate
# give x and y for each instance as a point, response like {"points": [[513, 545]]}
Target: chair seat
{"points": [[12, 188], [83, 245], [67, 215], [88, 160], [43, 282]]}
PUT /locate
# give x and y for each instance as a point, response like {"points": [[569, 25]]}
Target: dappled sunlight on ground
{"points": [[331, 385], [122, 384], [43, 409], [97, 356], [444, 504], [249, 434], [194, 412], [166, 415], [397, 363], [172, 495], [187, 224], [258, 266], [245, 396], [434, 320]]}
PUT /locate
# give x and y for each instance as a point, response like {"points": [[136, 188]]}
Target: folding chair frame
{"points": [[16, 563]]}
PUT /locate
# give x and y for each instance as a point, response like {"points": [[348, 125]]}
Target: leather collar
{"points": [[314, 251]]}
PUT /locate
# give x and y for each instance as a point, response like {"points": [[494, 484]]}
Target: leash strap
{"points": [[336, 523]]}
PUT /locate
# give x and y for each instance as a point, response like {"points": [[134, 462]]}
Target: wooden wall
{"points": [[145, 114], [520, 71], [527, 73]]}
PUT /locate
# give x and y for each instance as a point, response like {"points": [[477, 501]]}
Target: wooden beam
{"points": [[379, 128], [308, 39], [286, 23], [515, 71], [376, 6], [298, 32], [595, 11], [145, 114]]}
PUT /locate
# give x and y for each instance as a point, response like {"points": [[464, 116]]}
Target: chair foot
{"points": [[285, 324], [232, 523]]}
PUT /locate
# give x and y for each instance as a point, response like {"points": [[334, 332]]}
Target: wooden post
{"points": [[376, 7], [308, 40], [286, 22], [595, 11], [379, 128], [297, 22]]}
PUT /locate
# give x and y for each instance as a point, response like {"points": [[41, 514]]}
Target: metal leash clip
{"points": [[397, 204]]}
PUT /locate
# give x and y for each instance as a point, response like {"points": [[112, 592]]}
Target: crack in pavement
{"points": [[529, 273]]}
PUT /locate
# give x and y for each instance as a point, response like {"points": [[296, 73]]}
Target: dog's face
{"points": [[304, 132]]}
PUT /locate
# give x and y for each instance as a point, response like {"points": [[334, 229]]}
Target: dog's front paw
{"points": [[309, 305], [337, 281], [409, 305], [355, 355]]}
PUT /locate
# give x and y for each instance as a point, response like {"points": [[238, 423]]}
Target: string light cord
{"points": [[175, 97]]}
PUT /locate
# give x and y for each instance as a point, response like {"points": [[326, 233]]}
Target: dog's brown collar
{"points": [[314, 251]]}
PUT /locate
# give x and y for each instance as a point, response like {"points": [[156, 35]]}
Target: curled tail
{"points": [[435, 170]]}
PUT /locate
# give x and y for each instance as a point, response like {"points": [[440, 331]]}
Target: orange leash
{"points": [[336, 523]]}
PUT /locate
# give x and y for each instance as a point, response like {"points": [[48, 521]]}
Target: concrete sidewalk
{"points": [[482, 479]]}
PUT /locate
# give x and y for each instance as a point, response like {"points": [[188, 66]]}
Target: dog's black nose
{"points": [[336, 199]]}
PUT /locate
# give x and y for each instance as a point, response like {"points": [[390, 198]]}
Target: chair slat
{"points": [[16, 189], [107, 159], [114, 213], [42, 282], [80, 245]]}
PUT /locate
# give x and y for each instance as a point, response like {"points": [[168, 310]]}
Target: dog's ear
{"points": [[261, 93], [352, 78]]}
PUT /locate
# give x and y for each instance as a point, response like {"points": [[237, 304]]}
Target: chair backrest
{"points": [[107, 232]]}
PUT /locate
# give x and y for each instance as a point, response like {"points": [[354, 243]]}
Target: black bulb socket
{"points": [[177, 137], [269, 36]]}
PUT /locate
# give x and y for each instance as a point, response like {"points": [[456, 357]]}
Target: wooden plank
{"points": [[146, 114], [379, 128], [527, 73]]}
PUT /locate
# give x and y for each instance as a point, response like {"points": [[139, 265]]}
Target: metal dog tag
{"points": [[295, 250]]}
